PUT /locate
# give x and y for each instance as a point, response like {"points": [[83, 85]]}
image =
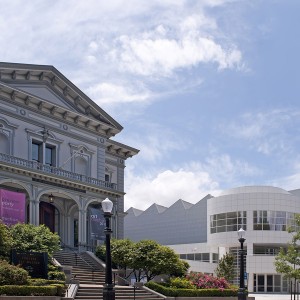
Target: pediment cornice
{"points": [[52, 110], [90, 115], [120, 150]]}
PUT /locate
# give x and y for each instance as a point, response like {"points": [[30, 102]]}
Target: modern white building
{"points": [[57, 153], [203, 232]]}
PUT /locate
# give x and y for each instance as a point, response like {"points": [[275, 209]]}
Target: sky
{"points": [[207, 90]]}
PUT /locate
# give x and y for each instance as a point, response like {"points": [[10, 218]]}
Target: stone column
{"points": [[32, 214], [82, 229]]}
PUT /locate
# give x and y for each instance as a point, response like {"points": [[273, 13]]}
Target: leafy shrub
{"points": [[10, 274], [59, 284], [5, 241], [204, 281], [29, 237], [41, 281], [174, 292], [60, 289], [58, 275], [181, 283]]}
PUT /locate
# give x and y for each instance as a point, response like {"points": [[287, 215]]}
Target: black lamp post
{"points": [[108, 288], [241, 292]]}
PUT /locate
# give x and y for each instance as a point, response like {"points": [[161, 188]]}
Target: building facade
{"points": [[203, 232], [56, 148]]}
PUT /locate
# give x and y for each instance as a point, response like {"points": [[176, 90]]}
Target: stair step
{"points": [[91, 278]]}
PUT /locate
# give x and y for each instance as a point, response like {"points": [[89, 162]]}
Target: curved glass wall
{"points": [[230, 221], [273, 220]]}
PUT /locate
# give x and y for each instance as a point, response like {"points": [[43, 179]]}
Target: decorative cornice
{"points": [[49, 74], [120, 150], [35, 103]]}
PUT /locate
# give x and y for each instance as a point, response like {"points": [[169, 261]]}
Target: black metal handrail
{"points": [[93, 268], [33, 165], [134, 287]]}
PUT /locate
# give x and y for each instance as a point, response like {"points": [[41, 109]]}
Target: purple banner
{"points": [[12, 207]]}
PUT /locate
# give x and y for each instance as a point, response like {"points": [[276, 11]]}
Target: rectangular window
{"points": [[215, 258], [43, 153], [49, 155], [190, 256], [198, 256], [36, 153], [230, 221], [205, 257], [106, 177]]}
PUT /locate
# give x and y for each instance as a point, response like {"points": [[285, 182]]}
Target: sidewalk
{"points": [[272, 296]]}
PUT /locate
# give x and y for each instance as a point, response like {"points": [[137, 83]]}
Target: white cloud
{"points": [[269, 132], [167, 187], [190, 182], [110, 93], [224, 168], [155, 142], [162, 53], [106, 46]]}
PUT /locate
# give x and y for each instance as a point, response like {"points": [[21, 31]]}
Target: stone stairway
{"points": [[91, 277], [83, 270], [89, 292]]}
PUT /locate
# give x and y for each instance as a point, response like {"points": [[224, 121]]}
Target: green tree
{"points": [[120, 252], [287, 261], [151, 259], [225, 267], [5, 241], [145, 258], [28, 237]]}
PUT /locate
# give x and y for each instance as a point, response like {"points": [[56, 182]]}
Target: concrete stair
{"points": [[91, 277], [89, 292], [86, 271]]}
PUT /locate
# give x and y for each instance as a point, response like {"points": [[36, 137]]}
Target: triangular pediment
{"points": [[46, 93], [46, 83]]}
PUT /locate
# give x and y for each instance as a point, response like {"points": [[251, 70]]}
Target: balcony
{"points": [[36, 170]]}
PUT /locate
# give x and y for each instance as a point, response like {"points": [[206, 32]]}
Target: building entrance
{"points": [[47, 215], [269, 283]]}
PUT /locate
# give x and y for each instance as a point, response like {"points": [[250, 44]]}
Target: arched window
{"points": [[81, 165], [4, 144]]}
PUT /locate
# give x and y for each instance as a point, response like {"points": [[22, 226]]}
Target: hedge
{"points": [[27, 290], [174, 292], [41, 281]]}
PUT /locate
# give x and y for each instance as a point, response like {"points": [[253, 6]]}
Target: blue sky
{"points": [[208, 90]]}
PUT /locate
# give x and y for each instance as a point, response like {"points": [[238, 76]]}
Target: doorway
{"points": [[269, 283], [47, 215]]}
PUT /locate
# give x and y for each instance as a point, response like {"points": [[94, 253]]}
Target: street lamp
{"points": [[108, 288], [241, 292]]}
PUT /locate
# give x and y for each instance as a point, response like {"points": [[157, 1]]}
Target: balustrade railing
{"points": [[33, 165]]}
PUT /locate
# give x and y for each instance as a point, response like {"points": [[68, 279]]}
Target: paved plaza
{"points": [[273, 296]]}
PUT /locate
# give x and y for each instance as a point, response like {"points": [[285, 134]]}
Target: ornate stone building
{"points": [[56, 148]]}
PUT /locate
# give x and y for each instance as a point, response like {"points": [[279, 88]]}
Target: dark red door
{"points": [[47, 215]]}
